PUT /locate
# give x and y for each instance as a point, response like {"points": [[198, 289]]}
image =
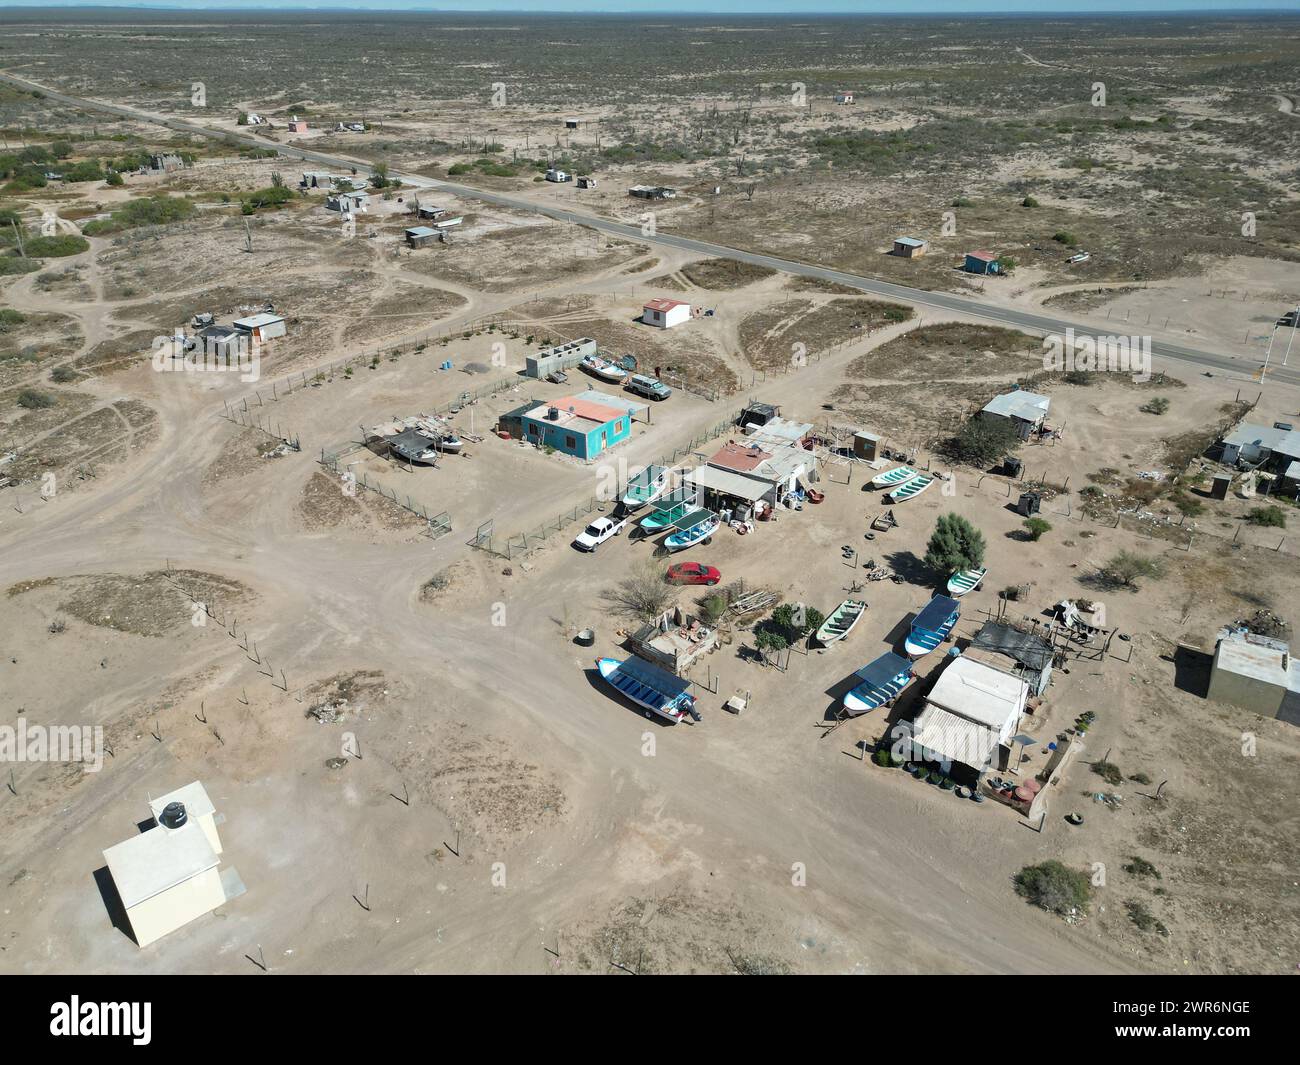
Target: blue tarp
{"points": [[936, 613], [651, 676], [883, 670]]}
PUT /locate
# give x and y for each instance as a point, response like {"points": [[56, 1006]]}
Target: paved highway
{"points": [[968, 305]]}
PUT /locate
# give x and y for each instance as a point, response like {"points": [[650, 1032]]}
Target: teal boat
{"points": [[693, 529], [966, 580], [669, 510], [646, 487], [895, 476], [931, 626], [841, 621], [914, 487]]}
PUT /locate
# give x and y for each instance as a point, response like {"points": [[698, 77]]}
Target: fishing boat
{"points": [[602, 368], [669, 510], [693, 529], [841, 621], [903, 492], [965, 580], [931, 626], [655, 689], [878, 683], [895, 476], [646, 487], [413, 446]]}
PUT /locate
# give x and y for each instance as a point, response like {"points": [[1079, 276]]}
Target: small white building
{"points": [[168, 875], [665, 313], [844, 96], [557, 175], [261, 327], [970, 715]]}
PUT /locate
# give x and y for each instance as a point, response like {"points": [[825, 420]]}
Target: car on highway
{"points": [[1290, 318], [693, 573], [597, 533]]}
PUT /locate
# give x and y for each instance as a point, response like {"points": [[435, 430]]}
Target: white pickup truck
{"points": [[597, 533]]}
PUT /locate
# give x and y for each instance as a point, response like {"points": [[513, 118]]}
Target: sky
{"points": [[700, 7]]}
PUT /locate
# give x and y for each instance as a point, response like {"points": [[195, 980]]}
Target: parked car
{"points": [[693, 573], [597, 533], [649, 387], [1290, 319]]}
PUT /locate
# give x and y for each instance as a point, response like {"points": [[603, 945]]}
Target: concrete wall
{"points": [[1250, 693], [177, 906]]}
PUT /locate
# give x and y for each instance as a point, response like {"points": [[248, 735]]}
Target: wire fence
{"points": [[439, 524], [523, 542]]}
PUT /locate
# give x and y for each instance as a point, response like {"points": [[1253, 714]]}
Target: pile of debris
{"points": [[1265, 623]]}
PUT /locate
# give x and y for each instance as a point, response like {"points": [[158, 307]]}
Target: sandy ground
{"points": [[507, 814]]}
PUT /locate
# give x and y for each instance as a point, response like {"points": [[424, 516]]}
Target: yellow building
{"points": [[168, 875]]}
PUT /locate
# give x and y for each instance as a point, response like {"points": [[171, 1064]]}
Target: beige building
{"points": [[1257, 674], [168, 875]]}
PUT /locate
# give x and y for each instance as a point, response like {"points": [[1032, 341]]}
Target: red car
{"points": [[693, 573]]}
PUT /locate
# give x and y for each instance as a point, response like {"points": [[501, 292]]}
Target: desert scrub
{"points": [[1054, 887]]}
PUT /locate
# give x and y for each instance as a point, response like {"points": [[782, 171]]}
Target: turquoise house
{"points": [[578, 427]]}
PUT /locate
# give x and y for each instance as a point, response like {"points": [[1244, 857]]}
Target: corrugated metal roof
{"points": [[1028, 406], [953, 738], [728, 483]]}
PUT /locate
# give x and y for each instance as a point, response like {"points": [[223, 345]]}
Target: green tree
{"points": [[982, 442], [1035, 527], [113, 178], [955, 545], [1054, 887], [1128, 567]]}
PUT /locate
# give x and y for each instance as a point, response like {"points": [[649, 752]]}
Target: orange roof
{"points": [[663, 303], [585, 408], [739, 457]]}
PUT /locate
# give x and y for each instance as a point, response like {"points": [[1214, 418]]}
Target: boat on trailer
{"points": [[646, 487], [841, 621], [693, 529], [650, 687], [932, 625], [897, 475], [669, 510], [413, 446], [965, 580], [878, 683], [603, 368], [903, 492]]}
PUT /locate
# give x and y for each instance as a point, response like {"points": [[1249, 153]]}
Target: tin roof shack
{"points": [[1027, 410], [981, 262], [758, 414], [297, 125], [844, 96], [578, 427], [909, 247], [422, 236], [262, 327], [316, 179], [167, 876], [1272, 447], [558, 357], [430, 212], [219, 343], [674, 641], [969, 717], [1031, 654], [778, 432], [1256, 673]]}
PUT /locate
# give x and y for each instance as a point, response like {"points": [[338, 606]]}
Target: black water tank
{"points": [[173, 815]]}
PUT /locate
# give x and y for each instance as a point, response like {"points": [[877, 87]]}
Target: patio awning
{"points": [[729, 484]]}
